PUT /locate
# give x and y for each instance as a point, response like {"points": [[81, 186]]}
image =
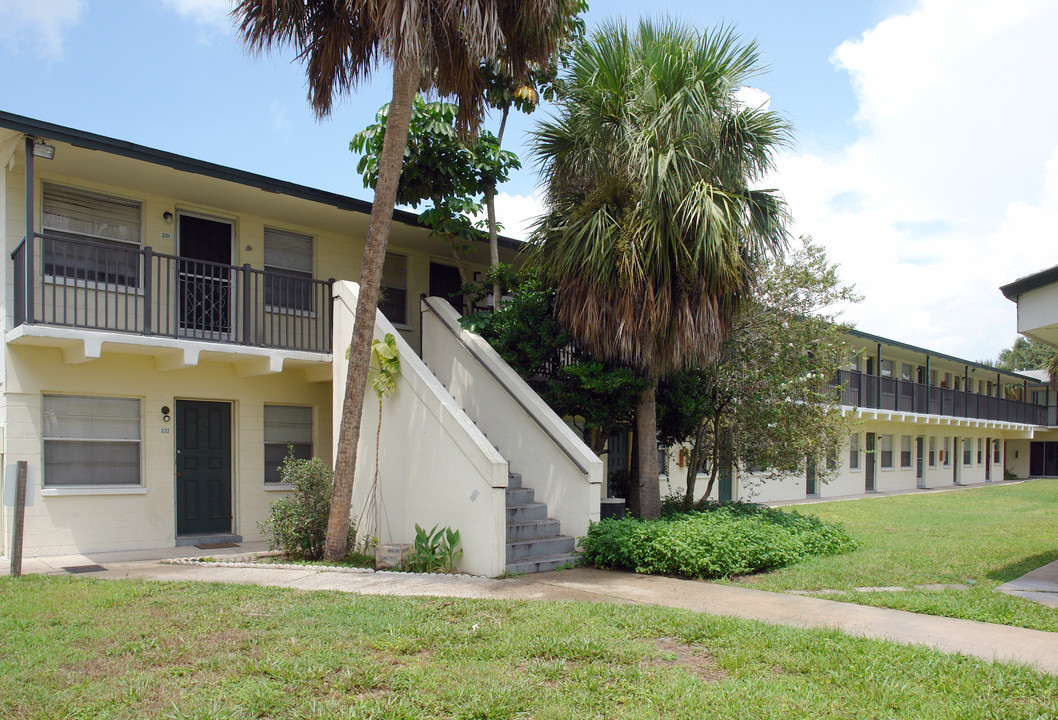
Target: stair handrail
{"points": [[426, 301]]}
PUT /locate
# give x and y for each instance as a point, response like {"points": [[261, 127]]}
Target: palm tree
{"points": [[430, 44], [653, 227]]}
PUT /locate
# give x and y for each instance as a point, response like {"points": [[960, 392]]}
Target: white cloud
{"points": [[753, 97], [517, 213], [39, 25], [205, 12], [951, 189]]}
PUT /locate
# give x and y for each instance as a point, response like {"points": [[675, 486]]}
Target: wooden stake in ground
{"points": [[20, 519]]}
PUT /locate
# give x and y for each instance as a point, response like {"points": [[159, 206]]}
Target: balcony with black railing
{"points": [[116, 287], [888, 393]]}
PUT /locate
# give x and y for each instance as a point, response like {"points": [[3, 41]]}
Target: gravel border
{"points": [[249, 560]]}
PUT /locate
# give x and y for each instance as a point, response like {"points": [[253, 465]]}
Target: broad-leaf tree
{"points": [[1025, 354], [766, 400], [451, 172], [654, 223], [435, 45]]}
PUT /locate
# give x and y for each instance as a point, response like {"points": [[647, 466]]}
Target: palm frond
{"points": [[654, 224]]}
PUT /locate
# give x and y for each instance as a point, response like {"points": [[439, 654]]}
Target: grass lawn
{"points": [[82, 648], [980, 536]]}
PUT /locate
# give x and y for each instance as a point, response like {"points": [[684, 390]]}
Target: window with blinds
{"points": [[91, 440], [90, 236], [393, 301], [288, 262], [287, 430]]}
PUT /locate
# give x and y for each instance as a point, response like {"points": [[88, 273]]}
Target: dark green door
{"points": [[725, 491], [868, 471], [203, 467], [810, 476]]}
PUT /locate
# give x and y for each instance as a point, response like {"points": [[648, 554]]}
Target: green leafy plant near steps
{"points": [[435, 550]]}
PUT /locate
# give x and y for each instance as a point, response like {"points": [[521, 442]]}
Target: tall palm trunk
{"points": [[645, 484], [405, 85], [490, 206]]}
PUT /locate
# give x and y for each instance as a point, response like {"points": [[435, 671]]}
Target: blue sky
{"points": [[926, 133]]}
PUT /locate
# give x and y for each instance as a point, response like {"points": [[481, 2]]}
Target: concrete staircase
{"points": [[533, 540], [534, 543]]}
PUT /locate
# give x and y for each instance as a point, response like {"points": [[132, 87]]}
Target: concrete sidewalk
{"points": [[1040, 585], [982, 640]]}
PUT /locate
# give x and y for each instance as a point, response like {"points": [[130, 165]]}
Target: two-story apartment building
{"points": [[172, 328], [168, 334], [923, 419]]}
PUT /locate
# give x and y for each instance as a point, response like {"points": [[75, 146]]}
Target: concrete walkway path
{"points": [[1039, 585], [982, 640]]}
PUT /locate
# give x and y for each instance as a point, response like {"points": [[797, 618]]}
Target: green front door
{"points": [[203, 467]]}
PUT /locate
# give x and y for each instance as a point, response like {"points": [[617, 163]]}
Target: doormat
{"points": [[216, 546], [78, 569]]}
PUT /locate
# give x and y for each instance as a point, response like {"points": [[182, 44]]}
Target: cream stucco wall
{"points": [[338, 235], [65, 520]]}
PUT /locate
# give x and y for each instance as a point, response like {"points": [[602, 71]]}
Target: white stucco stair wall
{"points": [[436, 467], [564, 473]]}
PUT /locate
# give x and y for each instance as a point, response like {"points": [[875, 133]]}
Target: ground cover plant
{"points": [[80, 648], [975, 539], [715, 541]]}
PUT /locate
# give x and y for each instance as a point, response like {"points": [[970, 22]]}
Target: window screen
{"points": [[285, 427], [90, 236], [91, 440], [288, 264], [394, 299]]}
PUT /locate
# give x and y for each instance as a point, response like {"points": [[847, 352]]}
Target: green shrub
{"points": [[297, 523], [719, 541]]}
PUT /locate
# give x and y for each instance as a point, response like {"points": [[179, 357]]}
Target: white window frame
{"points": [[295, 274], [884, 440], [401, 322], [138, 487], [932, 457], [905, 440], [133, 244], [854, 452], [284, 444], [945, 455]]}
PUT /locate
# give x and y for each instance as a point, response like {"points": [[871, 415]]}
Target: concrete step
{"points": [[519, 496], [514, 480], [522, 513], [532, 529], [521, 550], [544, 564]]}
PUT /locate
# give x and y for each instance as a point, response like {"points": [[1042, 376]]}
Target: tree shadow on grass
{"points": [[1020, 567]]}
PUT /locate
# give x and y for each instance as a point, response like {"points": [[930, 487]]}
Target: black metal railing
{"points": [[889, 393], [72, 282]]}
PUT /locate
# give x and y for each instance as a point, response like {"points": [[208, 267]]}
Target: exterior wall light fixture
{"points": [[43, 150]]}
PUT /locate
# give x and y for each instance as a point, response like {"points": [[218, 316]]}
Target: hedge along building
{"points": [[922, 419], [172, 327]]}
